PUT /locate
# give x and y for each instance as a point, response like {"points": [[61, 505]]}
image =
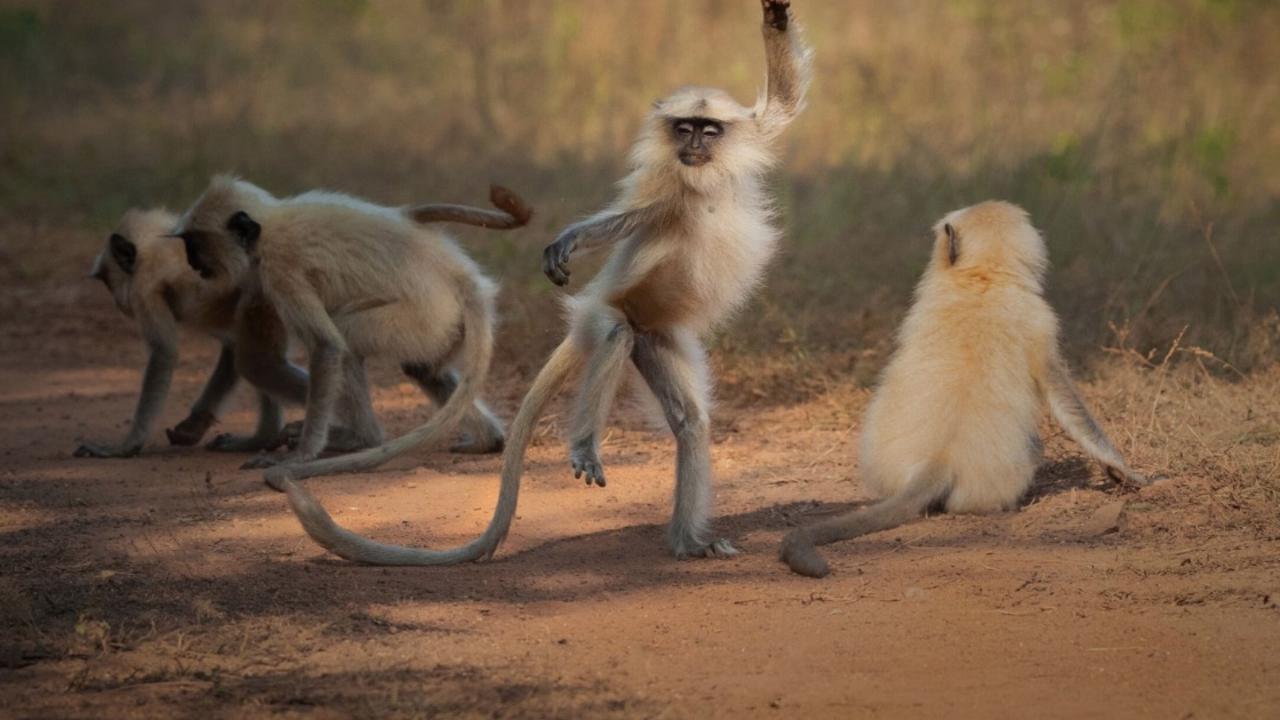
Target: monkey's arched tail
{"points": [[515, 212], [344, 543], [799, 547]]}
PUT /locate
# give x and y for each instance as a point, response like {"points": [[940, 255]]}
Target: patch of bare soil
{"points": [[176, 585]]}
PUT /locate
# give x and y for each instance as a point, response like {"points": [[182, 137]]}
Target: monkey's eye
{"points": [[711, 131], [684, 129]]}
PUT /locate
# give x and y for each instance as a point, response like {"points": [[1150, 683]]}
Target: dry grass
{"points": [[1139, 133]]}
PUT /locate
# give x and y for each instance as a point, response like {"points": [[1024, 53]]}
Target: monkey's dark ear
{"points": [[123, 252], [953, 243], [245, 228]]}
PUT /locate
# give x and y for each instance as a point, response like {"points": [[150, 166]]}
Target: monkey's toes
{"points": [[721, 548], [261, 462], [180, 439], [586, 464]]}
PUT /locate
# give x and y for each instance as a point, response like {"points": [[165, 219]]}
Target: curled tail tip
{"points": [[507, 200], [799, 553]]}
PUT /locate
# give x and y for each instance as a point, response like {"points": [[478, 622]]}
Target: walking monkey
{"points": [[147, 275], [351, 279]]}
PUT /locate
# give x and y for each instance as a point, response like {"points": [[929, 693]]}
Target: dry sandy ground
{"points": [[176, 585]]}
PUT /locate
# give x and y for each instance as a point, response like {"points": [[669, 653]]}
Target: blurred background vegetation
{"points": [[1142, 135]]}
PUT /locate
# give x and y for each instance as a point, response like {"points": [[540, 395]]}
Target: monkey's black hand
{"points": [[189, 431], [91, 450], [555, 258], [776, 13]]}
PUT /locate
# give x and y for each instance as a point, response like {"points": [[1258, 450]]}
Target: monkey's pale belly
{"points": [[671, 295], [657, 302]]}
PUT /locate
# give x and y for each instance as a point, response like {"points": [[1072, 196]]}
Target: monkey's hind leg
{"points": [[595, 397], [672, 371], [324, 390], [482, 431], [265, 437], [355, 408]]}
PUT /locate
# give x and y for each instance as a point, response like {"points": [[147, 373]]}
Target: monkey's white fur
{"points": [[954, 418], [352, 279], [691, 237], [961, 390]]}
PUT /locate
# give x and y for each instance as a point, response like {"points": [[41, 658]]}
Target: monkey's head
{"points": [[702, 135], [120, 260], [988, 239], [219, 231]]}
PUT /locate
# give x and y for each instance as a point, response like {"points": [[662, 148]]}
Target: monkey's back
{"points": [[392, 287], [959, 393]]}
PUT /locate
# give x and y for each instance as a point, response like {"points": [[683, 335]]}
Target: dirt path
{"points": [[176, 585]]}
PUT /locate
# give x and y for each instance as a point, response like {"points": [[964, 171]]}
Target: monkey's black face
{"points": [[197, 244], [696, 139], [211, 253]]}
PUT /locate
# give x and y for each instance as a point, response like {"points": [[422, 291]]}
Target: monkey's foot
{"points": [[91, 450], [341, 439], [189, 431], [261, 462], [227, 442], [487, 444], [586, 462], [776, 13], [802, 557], [721, 548]]}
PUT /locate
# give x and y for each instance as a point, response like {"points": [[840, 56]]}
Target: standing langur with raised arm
{"points": [[351, 279], [953, 422], [691, 234]]}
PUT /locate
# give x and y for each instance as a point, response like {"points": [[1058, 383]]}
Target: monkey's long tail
{"points": [[799, 547], [515, 212], [344, 543]]}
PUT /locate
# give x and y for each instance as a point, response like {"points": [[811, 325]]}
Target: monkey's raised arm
{"points": [[161, 360], [515, 212], [788, 59], [1069, 410], [599, 230]]}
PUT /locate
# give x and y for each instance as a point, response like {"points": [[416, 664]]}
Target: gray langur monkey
{"points": [[691, 232], [953, 421], [350, 279], [147, 274]]}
